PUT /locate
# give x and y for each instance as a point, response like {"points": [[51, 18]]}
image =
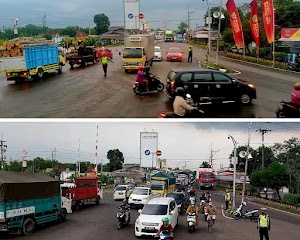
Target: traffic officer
{"points": [[264, 224], [227, 198], [104, 61], [190, 54]]}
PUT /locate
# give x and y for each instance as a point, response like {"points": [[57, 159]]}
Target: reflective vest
{"points": [[263, 221], [227, 197], [104, 60], [190, 50]]}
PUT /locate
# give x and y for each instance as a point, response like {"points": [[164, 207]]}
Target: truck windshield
{"points": [[155, 209], [157, 187], [139, 191], [132, 53], [207, 176]]}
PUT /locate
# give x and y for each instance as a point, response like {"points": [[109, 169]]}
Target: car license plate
{"points": [[120, 193], [149, 228], [174, 57]]}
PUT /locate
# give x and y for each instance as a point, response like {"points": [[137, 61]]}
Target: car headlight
{"points": [[125, 64], [138, 222], [251, 85]]}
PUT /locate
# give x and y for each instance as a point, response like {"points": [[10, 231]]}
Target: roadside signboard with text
{"points": [[148, 148]]}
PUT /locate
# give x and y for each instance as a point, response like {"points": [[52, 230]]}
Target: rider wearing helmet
{"points": [[295, 95], [166, 228], [193, 208], [140, 77], [180, 105], [126, 207]]}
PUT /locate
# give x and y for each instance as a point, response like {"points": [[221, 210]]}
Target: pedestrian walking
{"points": [[190, 57], [104, 61], [227, 198], [264, 224]]}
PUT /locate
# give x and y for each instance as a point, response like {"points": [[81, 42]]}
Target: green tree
{"points": [[275, 176], [116, 159], [182, 27], [15, 166], [205, 165], [102, 23]]}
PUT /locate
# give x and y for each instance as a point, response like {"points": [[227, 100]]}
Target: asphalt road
{"points": [[99, 222], [85, 93]]}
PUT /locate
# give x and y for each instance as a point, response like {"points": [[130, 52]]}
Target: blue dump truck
{"points": [[35, 62], [28, 200]]}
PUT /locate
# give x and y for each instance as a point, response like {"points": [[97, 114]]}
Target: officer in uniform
{"points": [[104, 61], [263, 224], [190, 54]]}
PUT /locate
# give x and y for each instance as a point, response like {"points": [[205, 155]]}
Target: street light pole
{"points": [[209, 26], [219, 30], [234, 170], [246, 164]]}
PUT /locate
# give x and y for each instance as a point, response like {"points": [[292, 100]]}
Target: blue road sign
{"points": [[147, 152], [130, 16]]}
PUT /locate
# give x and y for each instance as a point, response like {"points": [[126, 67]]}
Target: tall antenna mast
{"points": [[78, 160], [96, 154]]}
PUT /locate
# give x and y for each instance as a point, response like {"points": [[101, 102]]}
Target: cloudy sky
{"points": [[61, 13], [180, 143]]}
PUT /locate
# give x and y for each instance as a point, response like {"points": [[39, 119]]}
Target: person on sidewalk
{"points": [[227, 198], [190, 57], [104, 61], [264, 224]]}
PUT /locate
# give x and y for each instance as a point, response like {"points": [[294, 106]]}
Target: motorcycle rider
{"points": [[295, 94], [166, 228], [193, 208], [180, 105], [140, 78], [208, 196], [126, 207], [202, 198], [212, 211]]}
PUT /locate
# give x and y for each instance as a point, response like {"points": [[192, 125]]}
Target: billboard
{"points": [[148, 148], [131, 12], [291, 33]]}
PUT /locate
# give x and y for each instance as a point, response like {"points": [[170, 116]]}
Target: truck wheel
{"points": [[98, 200], [59, 69], [62, 216], [28, 226], [40, 73]]}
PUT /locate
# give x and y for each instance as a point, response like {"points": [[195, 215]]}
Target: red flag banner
{"points": [[268, 17], [236, 25], [254, 22]]}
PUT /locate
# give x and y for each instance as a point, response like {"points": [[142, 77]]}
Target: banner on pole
{"points": [[131, 11], [254, 23], [268, 17], [148, 148], [236, 25]]}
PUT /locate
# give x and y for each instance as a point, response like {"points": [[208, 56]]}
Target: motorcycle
{"points": [[202, 204], [121, 217], [154, 84], [164, 235], [288, 110], [252, 215], [191, 221], [197, 113]]}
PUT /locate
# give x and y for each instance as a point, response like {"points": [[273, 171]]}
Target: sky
{"points": [[62, 13], [180, 143]]}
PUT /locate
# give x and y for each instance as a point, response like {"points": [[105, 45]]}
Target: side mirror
{"points": [[172, 212], [140, 211]]}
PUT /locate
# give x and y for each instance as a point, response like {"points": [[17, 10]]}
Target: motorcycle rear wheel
{"points": [[280, 114], [137, 90], [160, 87]]}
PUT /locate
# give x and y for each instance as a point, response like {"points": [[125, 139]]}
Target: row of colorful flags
{"points": [[268, 20]]}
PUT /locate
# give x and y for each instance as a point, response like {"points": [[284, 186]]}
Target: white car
{"points": [[150, 218], [120, 192], [140, 196], [157, 53]]}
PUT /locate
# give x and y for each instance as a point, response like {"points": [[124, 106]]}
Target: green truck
{"points": [[28, 200], [169, 36]]}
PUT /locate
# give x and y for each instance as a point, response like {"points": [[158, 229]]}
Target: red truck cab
{"points": [[206, 179]]}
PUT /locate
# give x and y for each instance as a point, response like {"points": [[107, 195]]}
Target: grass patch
{"points": [[108, 187], [283, 208], [217, 67]]}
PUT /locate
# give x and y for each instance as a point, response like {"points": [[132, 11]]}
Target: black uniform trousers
{"points": [[263, 232], [104, 69]]}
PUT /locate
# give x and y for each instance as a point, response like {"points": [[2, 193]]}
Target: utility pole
{"points": [[263, 132], [246, 164], [15, 21], [3, 147], [53, 158], [44, 23], [89, 29], [211, 155]]}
